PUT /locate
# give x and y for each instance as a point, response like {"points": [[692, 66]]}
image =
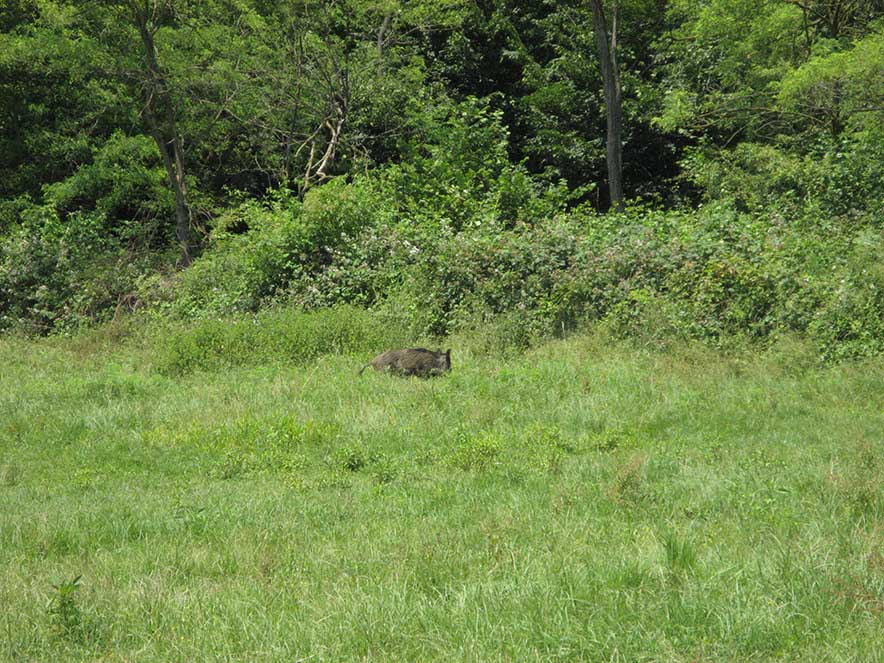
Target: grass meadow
{"points": [[583, 501]]}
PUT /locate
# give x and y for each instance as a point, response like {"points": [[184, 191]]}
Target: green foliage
{"points": [[286, 241], [543, 449], [840, 88], [457, 174], [466, 278], [352, 458], [850, 322], [432, 162], [763, 69], [828, 179], [651, 275], [78, 257], [366, 174], [56, 104], [629, 482], [67, 621], [58, 274], [260, 445], [723, 64], [63, 610], [648, 317], [124, 186]]}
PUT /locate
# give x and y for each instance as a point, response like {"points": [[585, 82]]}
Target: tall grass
{"points": [[271, 336]]}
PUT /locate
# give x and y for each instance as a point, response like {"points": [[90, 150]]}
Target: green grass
{"points": [[581, 502]]}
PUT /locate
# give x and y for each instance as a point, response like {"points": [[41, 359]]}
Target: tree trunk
{"points": [[165, 133], [382, 34], [613, 104], [175, 175]]}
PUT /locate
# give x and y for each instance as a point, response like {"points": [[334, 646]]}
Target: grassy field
{"points": [[585, 501]]}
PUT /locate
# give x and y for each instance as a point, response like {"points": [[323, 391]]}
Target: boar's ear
{"points": [[448, 354]]}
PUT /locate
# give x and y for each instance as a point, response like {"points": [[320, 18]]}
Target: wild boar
{"points": [[412, 361]]}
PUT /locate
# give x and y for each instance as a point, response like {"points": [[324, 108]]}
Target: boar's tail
{"points": [[363, 368]]}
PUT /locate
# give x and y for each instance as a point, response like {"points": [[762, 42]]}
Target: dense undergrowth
{"points": [[443, 165], [455, 240]]}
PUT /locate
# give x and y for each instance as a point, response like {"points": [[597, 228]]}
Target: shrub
{"points": [[286, 241], [78, 257], [457, 239], [651, 275], [58, 274], [456, 174], [850, 321], [815, 181]]}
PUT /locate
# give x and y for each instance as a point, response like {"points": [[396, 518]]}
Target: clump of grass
{"points": [[385, 470], [861, 483], [234, 464], [680, 553], [9, 475], [545, 448], [84, 478], [352, 457], [476, 453], [330, 479], [611, 440], [260, 445], [192, 516], [627, 483], [271, 337]]}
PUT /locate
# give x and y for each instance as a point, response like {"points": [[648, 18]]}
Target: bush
{"points": [[816, 182], [457, 174], [58, 274], [456, 239], [77, 258], [850, 321], [437, 282], [286, 241], [711, 274]]}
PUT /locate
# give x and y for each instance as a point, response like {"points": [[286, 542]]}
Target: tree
{"points": [[761, 69], [54, 108], [538, 62], [105, 57], [835, 18], [838, 90], [613, 100], [158, 111]]}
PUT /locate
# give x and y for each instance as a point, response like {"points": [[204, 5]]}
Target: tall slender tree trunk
{"points": [[171, 153], [382, 34], [613, 102], [159, 117]]}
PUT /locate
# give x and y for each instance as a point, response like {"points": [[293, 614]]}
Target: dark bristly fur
{"points": [[412, 361]]}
